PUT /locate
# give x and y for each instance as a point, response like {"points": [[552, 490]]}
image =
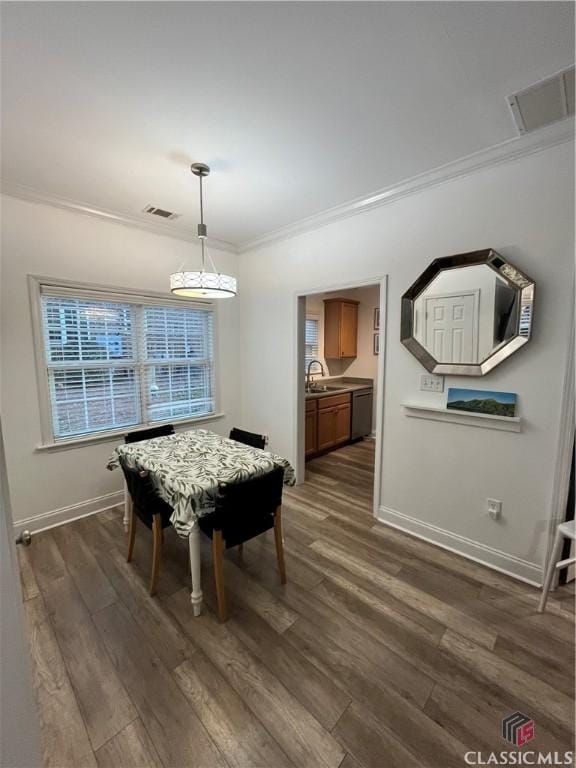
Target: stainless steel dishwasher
{"points": [[361, 413]]}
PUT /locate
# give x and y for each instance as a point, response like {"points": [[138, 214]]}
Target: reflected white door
{"points": [[452, 327]]}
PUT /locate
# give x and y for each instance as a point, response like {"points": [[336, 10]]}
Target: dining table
{"points": [[187, 468]]}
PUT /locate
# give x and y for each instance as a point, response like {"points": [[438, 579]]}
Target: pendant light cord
{"points": [[201, 202], [211, 261], [202, 221], [203, 245]]}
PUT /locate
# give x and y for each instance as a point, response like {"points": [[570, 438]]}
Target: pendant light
{"points": [[202, 284]]}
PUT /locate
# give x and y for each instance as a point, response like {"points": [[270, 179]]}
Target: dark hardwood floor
{"points": [[381, 650]]}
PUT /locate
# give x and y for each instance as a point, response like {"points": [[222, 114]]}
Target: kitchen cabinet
{"points": [[342, 420], [340, 328], [326, 428], [328, 422], [311, 427]]}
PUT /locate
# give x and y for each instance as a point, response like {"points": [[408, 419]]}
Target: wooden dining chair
{"points": [[148, 434], [153, 511], [244, 510], [248, 438]]}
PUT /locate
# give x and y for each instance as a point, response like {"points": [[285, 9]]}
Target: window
{"points": [[311, 343], [113, 363]]}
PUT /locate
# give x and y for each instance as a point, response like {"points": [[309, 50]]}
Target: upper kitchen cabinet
{"points": [[340, 328]]}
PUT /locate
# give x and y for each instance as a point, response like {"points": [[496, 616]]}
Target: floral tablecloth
{"points": [[187, 467]]}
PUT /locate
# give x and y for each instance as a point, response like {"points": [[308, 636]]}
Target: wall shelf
{"points": [[467, 418]]}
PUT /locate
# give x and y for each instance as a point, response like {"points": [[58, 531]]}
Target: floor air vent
{"points": [[543, 103], [152, 209]]}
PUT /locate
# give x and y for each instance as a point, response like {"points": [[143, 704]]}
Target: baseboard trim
{"points": [[47, 520], [513, 566]]}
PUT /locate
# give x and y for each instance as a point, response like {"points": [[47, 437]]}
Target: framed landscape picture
{"points": [[482, 401]]}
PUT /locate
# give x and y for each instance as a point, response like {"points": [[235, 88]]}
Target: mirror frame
{"points": [[523, 284]]}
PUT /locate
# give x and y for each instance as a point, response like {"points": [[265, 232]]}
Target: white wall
{"points": [[43, 240], [436, 475]]}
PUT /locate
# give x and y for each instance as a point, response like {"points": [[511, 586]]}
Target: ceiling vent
{"points": [[543, 103], [160, 212]]}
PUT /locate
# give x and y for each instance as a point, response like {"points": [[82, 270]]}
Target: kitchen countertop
{"points": [[345, 386]]}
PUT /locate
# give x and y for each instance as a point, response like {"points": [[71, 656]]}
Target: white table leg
{"points": [[555, 556], [127, 507], [196, 596]]}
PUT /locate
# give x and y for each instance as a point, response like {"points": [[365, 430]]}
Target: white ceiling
{"points": [[297, 107]]}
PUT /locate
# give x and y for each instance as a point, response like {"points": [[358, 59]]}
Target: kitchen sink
{"points": [[326, 388]]}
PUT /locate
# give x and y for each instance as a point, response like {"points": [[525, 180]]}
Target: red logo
{"points": [[518, 729]]}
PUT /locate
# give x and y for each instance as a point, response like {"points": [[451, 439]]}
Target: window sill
{"points": [[112, 437]]}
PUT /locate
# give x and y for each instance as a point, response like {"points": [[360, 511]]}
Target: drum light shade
{"points": [[202, 284]]}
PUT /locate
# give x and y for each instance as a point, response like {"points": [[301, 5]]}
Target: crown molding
{"points": [[166, 228], [508, 151]]}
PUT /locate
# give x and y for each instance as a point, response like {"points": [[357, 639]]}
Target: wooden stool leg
{"points": [[554, 558], [156, 551], [217, 557], [279, 545], [131, 534]]}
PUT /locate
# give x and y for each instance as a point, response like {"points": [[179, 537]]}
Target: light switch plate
{"points": [[429, 382]]}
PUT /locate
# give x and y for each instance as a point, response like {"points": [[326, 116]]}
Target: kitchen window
{"points": [[116, 361], [311, 343]]}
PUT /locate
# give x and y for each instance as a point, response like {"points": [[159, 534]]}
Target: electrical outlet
{"points": [[429, 382], [494, 508]]}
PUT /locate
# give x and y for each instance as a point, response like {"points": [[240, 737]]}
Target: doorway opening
{"points": [[339, 390]]}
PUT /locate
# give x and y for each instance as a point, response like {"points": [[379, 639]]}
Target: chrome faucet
{"points": [[309, 375]]}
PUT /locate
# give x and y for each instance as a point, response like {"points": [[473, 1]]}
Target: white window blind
{"points": [[113, 364], [178, 375], [311, 343]]}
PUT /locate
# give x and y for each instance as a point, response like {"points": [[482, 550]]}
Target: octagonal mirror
{"points": [[467, 313]]}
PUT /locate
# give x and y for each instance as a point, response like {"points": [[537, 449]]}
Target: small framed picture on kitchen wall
{"points": [[376, 320], [377, 343]]}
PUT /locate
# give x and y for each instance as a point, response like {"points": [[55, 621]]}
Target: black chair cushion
{"points": [[149, 434], [245, 509], [248, 438], [145, 499]]}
